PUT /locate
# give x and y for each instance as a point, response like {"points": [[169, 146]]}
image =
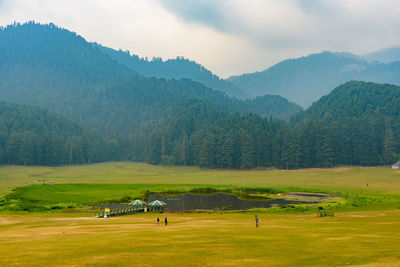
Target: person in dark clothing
{"points": [[158, 221], [256, 221], [166, 221]]}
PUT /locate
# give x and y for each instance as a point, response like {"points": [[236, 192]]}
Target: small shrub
{"points": [[260, 190], [25, 206], [11, 196], [203, 190], [125, 199]]}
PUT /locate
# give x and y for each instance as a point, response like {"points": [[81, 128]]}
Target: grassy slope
{"points": [[346, 178]]}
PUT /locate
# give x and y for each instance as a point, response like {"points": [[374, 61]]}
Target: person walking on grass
{"points": [[158, 221], [256, 221], [166, 221]]}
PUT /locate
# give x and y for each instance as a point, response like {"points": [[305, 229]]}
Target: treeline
{"points": [[33, 136], [208, 138], [195, 133]]}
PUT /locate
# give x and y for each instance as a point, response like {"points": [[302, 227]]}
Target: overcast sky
{"points": [[226, 36]]}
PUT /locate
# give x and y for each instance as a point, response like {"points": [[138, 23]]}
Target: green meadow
{"points": [[363, 232], [380, 179]]}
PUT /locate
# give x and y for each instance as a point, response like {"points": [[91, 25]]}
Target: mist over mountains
{"points": [[387, 55], [174, 69], [127, 108], [306, 79], [301, 80]]}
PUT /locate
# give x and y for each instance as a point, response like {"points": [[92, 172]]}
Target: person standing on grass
{"points": [[256, 221], [158, 221], [166, 221]]}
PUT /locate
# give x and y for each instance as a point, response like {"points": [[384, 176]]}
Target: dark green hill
{"points": [[354, 100], [173, 69], [34, 136], [271, 105], [306, 79], [196, 133], [358, 123]]}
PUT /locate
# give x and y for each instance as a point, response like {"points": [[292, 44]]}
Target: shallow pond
{"points": [[219, 201]]}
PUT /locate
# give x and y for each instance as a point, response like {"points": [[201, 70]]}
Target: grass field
{"points": [[345, 178], [357, 235], [355, 238]]}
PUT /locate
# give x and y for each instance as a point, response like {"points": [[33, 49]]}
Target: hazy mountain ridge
{"points": [[306, 79], [173, 69], [387, 55], [266, 105], [51, 67], [272, 106]]}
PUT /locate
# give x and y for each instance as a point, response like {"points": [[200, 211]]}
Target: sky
{"points": [[229, 37]]}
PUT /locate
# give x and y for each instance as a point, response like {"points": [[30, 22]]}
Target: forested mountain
{"points": [[56, 69], [350, 126], [196, 133], [386, 55], [181, 122], [173, 69], [353, 100], [33, 136], [51, 67], [269, 106], [360, 123], [306, 79]]}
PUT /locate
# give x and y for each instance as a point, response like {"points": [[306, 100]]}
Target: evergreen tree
{"points": [[389, 146], [248, 155]]}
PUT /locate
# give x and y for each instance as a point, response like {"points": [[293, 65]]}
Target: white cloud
{"points": [[301, 24], [227, 36]]}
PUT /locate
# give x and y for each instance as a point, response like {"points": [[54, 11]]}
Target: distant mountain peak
{"points": [[176, 68], [304, 80], [387, 55]]}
